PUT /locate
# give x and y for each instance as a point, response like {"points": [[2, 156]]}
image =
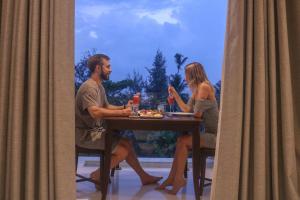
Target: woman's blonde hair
{"points": [[196, 74]]}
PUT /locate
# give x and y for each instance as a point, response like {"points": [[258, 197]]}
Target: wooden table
{"points": [[183, 124]]}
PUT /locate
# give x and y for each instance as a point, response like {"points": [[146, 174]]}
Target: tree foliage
{"points": [[176, 79], [117, 92], [179, 60], [156, 85], [82, 72], [137, 83]]}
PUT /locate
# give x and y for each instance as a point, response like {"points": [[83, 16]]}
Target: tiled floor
{"points": [[126, 185]]}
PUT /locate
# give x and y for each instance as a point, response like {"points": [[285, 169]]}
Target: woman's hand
{"points": [[172, 91], [198, 115], [183, 107]]}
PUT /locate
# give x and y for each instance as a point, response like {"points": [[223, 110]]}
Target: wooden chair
{"points": [[112, 172], [81, 150], [186, 169], [204, 154]]}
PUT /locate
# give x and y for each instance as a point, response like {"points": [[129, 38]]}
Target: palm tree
{"points": [[179, 60], [176, 79]]}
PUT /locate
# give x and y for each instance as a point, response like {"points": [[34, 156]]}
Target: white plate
{"points": [[151, 117], [180, 113], [147, 116]]}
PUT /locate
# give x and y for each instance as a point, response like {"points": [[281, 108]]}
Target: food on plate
{"points": [[150, 113]]}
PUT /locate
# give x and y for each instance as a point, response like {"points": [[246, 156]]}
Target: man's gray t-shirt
{"points": [[88, 129]]}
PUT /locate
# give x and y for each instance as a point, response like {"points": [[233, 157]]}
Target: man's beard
{"points": [[104, 77]]}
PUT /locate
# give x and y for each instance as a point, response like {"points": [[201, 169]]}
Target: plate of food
{"points": [[150, 114], [185, 114]]}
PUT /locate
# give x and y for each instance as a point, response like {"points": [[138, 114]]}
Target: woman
{"points": [[204, 105]]}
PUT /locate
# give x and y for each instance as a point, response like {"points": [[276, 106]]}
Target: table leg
{"points": [[104, 178], [196, 162]]}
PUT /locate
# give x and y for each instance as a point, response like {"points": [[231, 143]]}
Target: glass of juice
{"points": [[135, 104], [171, 101]]}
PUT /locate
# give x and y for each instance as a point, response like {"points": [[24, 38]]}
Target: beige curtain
{"points": [[36, 100], [258, 151]]}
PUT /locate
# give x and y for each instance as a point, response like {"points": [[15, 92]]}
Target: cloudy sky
{"points": [[131, 31]]}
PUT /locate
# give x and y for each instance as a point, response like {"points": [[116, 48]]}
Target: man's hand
{"points": [[98, 112], [126, 112], [130, 102]]}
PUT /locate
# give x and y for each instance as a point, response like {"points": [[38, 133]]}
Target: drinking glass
{"points": [[170, 97], [171, 101], [135, 104], [161, 107]]}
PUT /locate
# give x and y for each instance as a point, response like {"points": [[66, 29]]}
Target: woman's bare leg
{"points": [[184, 144], [169, 181]]}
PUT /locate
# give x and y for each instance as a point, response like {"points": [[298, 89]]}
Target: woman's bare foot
{"points": [[177, 185], [148, 179], [95, 176], [167, 182]]}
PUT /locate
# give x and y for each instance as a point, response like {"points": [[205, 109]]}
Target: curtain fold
{"points": [[37, 100], [258, 141], [294, 42]]}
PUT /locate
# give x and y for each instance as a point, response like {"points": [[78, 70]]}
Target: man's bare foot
{"points": [[95, 176], [177, 185], [147, 180], [167, 182]]}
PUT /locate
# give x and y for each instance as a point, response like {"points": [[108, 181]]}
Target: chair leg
{"points": [[76, 160], [102, 168], [118, 167], [202, 173], [186, 169], [112, 172]]}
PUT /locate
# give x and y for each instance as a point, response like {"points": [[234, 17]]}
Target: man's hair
{"points": [[95, 60]]}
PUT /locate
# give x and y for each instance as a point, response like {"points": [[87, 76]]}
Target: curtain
{"points": [[258, 149], [37, 100]]}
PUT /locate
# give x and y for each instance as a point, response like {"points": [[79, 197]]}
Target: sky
{"points": [[131, 31]]}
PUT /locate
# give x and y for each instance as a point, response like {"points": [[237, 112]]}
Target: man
{"points": [[91, 106]]}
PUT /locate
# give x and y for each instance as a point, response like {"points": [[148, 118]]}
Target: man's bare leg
{"points": [[135, 164], [120, 153]]}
